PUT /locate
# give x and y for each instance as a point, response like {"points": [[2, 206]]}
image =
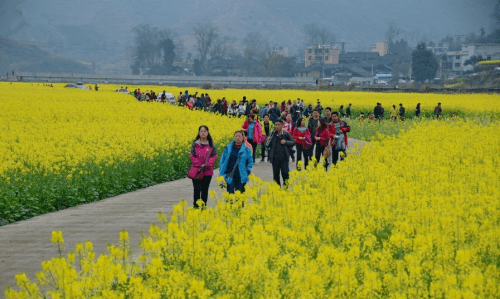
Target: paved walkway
{"points": [[25, 244]]}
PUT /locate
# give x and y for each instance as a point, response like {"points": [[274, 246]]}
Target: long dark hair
{"points": [[299, 122], [322, 123], [209, 137]]}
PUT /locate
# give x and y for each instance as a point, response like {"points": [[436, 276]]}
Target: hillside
{"points": [[101, 30], [19, 56]]}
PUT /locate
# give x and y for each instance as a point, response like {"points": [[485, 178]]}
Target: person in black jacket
{"points": [[280, 147], [378, 112], [274, 113]]}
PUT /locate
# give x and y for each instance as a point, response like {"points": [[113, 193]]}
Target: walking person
{"points": [[393, 113], [438, 110], [280, 145], [288, 126], [348, 111], [417, 110], [338, 131], [312, 125], [402, 112], [267, 128], [203, 155], [321, 137], [236, 163], [300, 134], [254, 133]]}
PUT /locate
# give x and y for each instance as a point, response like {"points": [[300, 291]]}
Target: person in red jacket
{"points": [[202, 147], [322, 137], [338, 131], [299, 134]]}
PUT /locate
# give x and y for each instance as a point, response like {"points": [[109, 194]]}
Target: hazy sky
{"points": [[358, 22]]}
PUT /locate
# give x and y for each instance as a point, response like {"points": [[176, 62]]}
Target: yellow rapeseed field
{"points": [[412, 215]]}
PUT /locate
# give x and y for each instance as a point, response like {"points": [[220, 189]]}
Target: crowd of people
{"points": [[283, 132], [290, 130]]}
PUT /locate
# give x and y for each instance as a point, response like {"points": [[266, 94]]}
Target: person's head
{"points": [[439, 104], [394, 106], [203, 133], [371, 116], [275, 104], [328, 111], [400, 105], [180, 92], [202, 95], [289, 102], [350, 104], [266, 105], [244, 98], [322, 123], [278, 125], [250, 118], [341, 106], [294, 103], [241, 102], [335, 117], [239, 137], [362, 115], [288, 117], [310, 106], [315, 113], [418, 105], [266, 117], [186, 91], [283, 103], [301, 122]]}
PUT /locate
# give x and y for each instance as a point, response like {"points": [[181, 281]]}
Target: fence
{"points": [[161, 80]]}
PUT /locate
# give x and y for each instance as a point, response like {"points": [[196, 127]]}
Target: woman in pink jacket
{"points": [[201, 149], [254, 130]]}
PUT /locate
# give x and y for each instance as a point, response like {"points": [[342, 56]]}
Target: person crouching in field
{"points": [[203, 155]]}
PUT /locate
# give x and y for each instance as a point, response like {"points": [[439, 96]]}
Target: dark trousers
{"points": [[335, 155], [280, 166], [263, 150], [236, 185], [301, 152], [201, 189], [254, 148], [319, 153]]}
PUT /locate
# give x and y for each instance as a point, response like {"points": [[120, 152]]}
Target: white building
{"points": [[457, 59]]}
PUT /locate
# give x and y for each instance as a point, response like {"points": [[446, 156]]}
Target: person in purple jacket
{"points": [[202, 146]]}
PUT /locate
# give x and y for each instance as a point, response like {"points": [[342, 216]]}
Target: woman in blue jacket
{"points": [[236, 163]]}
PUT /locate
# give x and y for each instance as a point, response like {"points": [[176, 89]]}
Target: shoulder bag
{"points": [[197, 173]]}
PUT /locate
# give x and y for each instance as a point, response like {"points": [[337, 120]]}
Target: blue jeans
{"points": [[236, 185]]}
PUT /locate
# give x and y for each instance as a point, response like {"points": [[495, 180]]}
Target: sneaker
{"points": [[262, 161]]}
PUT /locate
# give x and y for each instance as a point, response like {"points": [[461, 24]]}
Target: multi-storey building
{"points": [[321, 54]]}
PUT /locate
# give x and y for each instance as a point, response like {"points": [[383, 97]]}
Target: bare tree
{"points": [[392, 32], [318, 35], [255, 49], [223, 47], [205, 34]]}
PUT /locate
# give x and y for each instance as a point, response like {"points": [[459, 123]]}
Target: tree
{"points": [[223, 47], [392, 32], [277, 66], [255, 48], [473, 60], [396, 70], [154, 50], [317, 35], [399, 47], [206, 34], [424, 64]]}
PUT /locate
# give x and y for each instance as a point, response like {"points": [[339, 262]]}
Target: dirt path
{"points": [[25, 244]]}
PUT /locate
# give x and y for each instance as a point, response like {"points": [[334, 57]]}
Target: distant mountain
{"points": [[20, 56], [105, 26]]}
